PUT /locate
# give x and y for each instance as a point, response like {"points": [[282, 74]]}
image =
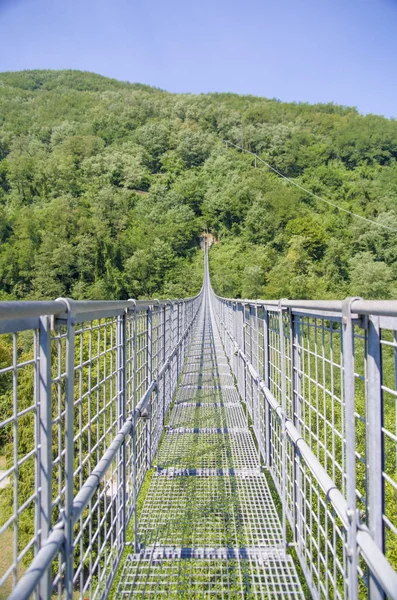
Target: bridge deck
{"points": [[209, 527]]}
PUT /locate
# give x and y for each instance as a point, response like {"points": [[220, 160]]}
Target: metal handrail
{"points": [[239, 325], [284, 358], [164, 340], [359, 306]]}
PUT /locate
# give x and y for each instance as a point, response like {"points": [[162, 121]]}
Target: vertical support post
{"points": [[164, 359], [234, 359], [256, 386], [155, 416], [375, 445], [244, 346], [251, 359], [121, 413], [178, 352], [149, 314], [171, 335], [149, 375], [69, 447], [134, 434], [296, 394], [184, 324], [181, 335], [348, 360], [283, 421], [45, 446], [225, 327], [266, 378]]}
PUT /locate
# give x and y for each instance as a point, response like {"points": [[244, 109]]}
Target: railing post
{"points": [[256, 387], [171, 336], [121, 411], [185, 324], [219, 312], [149, 376], [45, 446], [178, 352], [266, 378], [243, 345], [164, 359], [226, 328], [296, 415], [349, 389], [375, 445], [134, 435], [182, 331], [251, 359], [233, 358], [283, 422], [156, 357], [69, 448]]}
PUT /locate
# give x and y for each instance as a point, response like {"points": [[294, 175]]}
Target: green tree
{"points": [[370, 278]]}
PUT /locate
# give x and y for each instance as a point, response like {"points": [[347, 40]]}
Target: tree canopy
{"points": [[105, 187]]}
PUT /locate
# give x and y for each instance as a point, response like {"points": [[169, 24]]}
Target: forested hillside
{"points": [[105, 187]]}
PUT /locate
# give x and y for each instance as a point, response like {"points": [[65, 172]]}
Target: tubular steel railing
{"points": [[84, 390], [319, 379]]}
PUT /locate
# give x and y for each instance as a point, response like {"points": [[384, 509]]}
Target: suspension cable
{"points": [[349, 212]]}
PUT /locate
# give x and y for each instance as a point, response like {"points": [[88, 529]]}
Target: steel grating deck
{"points": [[209, 526]]}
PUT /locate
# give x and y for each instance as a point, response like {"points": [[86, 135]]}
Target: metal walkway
{"points": [[209, 527]]}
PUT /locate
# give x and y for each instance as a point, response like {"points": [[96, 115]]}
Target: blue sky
{"points": [[343, 51]]}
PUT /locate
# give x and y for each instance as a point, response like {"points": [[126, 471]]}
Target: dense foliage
{"points": [[105, 187]]}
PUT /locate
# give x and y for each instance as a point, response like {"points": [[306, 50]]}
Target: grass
{"points": [[129, 549], [6, 559]]}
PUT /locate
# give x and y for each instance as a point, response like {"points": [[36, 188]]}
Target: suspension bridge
{"points": [[199, 448]]}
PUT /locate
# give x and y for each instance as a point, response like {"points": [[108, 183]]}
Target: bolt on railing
{"points": [[319, 379], [84, 390]]}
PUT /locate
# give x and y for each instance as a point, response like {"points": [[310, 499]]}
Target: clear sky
{"points": [[343, 51]]}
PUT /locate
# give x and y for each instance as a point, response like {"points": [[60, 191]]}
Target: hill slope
{"points": [[105, 187]]}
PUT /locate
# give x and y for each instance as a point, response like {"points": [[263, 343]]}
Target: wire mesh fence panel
{"points": [[20, 497], [318, 390], [84, 389], [326, 414], [385, 411]]}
